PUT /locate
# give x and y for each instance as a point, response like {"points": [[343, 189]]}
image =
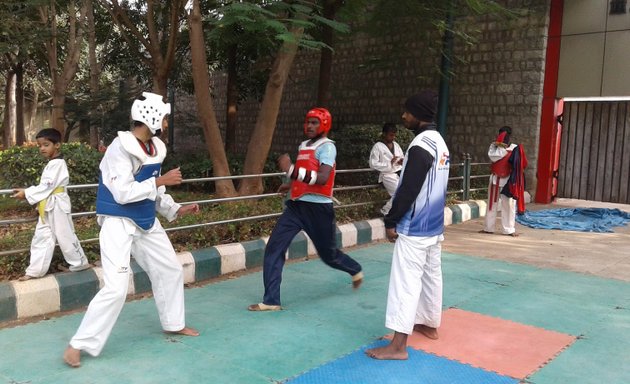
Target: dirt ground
{"points": [[599, 254]]}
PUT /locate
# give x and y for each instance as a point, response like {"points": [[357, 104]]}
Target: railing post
{"points": [[466, 180]]}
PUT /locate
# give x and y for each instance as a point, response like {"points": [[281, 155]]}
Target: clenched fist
{"points": [[172, 177]]}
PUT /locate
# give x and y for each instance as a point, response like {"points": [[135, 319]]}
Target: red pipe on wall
{"points": [[549, 144]]}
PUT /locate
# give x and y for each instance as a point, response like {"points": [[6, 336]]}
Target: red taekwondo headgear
{"points": [[324, 117], [503, 139]]}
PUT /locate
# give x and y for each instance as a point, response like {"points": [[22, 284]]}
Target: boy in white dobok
{"points": [[131, 190], [387, 157], [53, 205]]}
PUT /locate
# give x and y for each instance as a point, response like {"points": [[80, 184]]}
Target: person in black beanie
{"points": [[415, 224]]}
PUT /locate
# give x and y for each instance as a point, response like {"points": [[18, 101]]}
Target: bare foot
{"points": [[512, 234], [387, 352], [26, 277], [484, 231], [357, 280], [186, 331], [427, 331], [72, 357]]}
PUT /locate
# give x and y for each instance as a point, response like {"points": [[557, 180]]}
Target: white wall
{"points": [[595, 50]]}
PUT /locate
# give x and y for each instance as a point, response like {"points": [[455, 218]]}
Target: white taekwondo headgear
{"points": [[150, 111]]}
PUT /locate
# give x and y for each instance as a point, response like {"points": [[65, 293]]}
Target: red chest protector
{"points": [[502, 168], [306, 159]]}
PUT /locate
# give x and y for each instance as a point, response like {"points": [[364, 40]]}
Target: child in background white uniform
{"points": [[54, 223], [131, 190], [387, 158]]}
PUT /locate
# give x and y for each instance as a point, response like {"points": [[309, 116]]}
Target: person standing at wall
{"points": [[416, 225], [387, 157], [310, 208], [131, 189], [507, 183]]}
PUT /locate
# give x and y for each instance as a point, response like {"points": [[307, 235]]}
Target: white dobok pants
{"points": [[154, 253], [390, 182], [56, 227], [507, 205], [415, 284]]}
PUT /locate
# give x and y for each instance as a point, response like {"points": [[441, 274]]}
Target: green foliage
{"points": [[83, 162], [354, 143], [21, 167]]}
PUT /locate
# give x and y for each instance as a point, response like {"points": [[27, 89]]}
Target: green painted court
{"points": [[325, 323]]}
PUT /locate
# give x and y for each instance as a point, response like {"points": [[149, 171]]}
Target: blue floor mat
{"points": [[575, 219], [421, 367]]}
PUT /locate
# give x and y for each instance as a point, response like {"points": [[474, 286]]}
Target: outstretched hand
{"points": [[19, 194], [172, 177], [188, 209]]}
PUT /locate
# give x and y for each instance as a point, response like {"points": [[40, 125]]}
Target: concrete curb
{"points": [[72, 290]]}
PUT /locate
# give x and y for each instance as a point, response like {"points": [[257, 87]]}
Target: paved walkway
{"points": [[578, 319]]}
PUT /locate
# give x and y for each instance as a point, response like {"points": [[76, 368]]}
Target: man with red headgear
{"points": [[310, 209], [507, 182]]}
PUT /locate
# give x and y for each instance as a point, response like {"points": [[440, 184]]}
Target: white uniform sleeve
{"points": [[398, 152], [117, 170], [55, 175], [381, 160], [165, 205]]}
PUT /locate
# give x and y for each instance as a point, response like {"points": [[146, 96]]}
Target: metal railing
{"points": [[465, 179]]}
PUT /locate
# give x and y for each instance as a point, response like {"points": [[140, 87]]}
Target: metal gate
{"points": [[595, 151]]}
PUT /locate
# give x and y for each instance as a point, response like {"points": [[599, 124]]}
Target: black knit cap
{"points": [[423, 106]]}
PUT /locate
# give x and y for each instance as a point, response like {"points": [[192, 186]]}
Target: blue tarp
{"points": [[575, 219]]}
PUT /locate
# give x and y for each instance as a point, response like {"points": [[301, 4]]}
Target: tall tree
{"points": [[262, 135], [205, 109], [63, 49], [282, 23], [330, 8], [18, 35], [8, 123], [150, 28], [236, 42], [95, 69]]}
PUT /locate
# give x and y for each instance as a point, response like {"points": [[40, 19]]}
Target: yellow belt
{"points": [[41, 206]]}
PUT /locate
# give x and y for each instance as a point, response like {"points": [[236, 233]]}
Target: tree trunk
{"points": [[19, 103], [31, 109], [207, 116], [325, 62], [61, 79], [95, 73], [232, 101], [160, 44], [326, 56], [58, 103], [160, 84], [9, 110], [260, 141]]}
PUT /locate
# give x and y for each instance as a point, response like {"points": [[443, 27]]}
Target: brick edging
{"points": [[72, 290]]}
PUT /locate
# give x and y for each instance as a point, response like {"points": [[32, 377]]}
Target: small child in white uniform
{"points": [[54, 223]]}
